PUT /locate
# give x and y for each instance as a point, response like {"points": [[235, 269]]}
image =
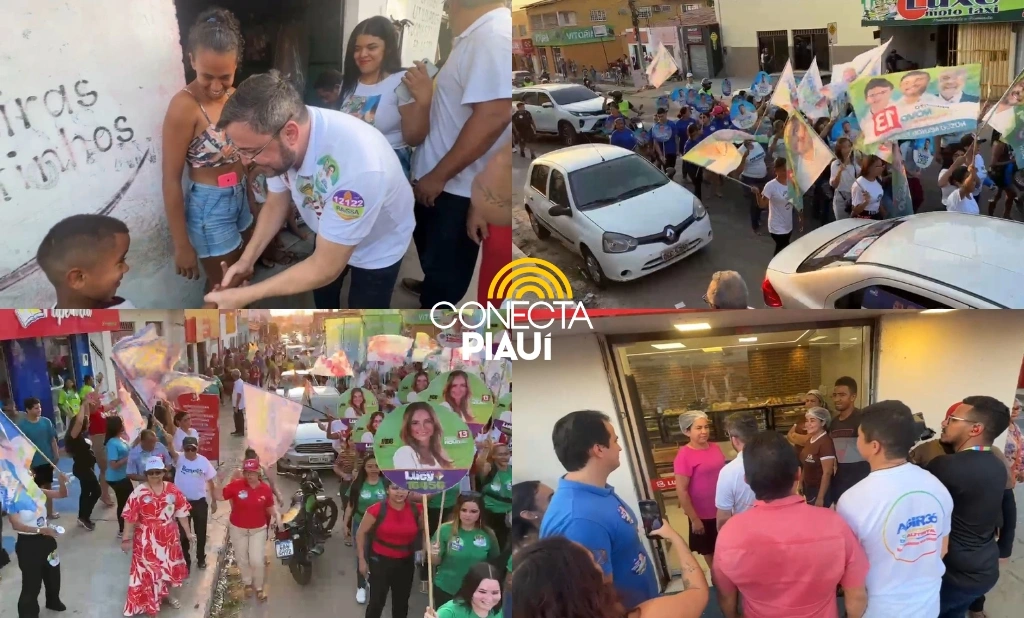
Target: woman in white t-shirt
{"points": [[775, 197], [183, 422], [842, 175], [866, 193], [372, 74], [959, 160], [964, 180]]}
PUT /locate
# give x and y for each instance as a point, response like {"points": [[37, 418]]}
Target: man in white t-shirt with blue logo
{"points": [[194, 476], [349, 187], [470, 115], [900, 513]]}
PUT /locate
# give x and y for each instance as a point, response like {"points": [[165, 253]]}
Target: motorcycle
{"points": [[305, 527]]}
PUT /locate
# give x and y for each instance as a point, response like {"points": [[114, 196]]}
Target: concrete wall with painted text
{"points": [[82, 100], [420, 38]]}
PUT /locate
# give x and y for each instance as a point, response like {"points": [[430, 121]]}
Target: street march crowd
{"points": [[148, 468], [863, 508], [390, 156]]}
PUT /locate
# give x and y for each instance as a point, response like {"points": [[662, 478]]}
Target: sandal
{"points": [[261, 596], [175, 603]]}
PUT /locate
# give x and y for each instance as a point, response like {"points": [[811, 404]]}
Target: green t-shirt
{"points": [[85, 390], [456, 609], [499, 487], [369, 495], [69, 402], [450, 498], [459, 553]]}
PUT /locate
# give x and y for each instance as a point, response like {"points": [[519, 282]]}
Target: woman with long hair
{"points": [[459, 544], [116, 445], [479, 595], [356, 404], [421, 434], [152, 537], [843, 174], [530, 500], [212, 222], [84, 464], [368, 488], [866, 193], [387, 552], [372, 72], [457, 395], [495, 474], [558, 577], [419, 384], [372, 426]]}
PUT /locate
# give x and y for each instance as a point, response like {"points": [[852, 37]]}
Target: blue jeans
{"points": [[954, 601], [447, 253], [405, 158], [371, 289], [216, 218]]}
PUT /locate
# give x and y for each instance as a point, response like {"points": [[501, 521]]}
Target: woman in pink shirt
{"points": [[696, 468]]}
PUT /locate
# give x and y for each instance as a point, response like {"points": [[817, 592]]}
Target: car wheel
{"points": [[567, 133], [1018, 179], [539, 230], [594, 270]]}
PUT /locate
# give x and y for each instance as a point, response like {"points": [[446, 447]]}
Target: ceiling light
{"points": [[819, 338], [687, 328], [853, 339], [929, 311], [667, 346], [712, 349], [747, 339]]}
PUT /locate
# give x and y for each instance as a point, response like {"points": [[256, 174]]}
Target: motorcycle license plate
{"points": [[284, 549], [317, 459]]}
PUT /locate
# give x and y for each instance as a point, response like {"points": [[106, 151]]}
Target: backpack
{"points": [[417, 544]]}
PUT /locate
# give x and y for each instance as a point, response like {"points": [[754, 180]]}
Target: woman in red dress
{"points": [[157, 560]]}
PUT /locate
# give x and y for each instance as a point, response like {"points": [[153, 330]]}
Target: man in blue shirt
{"points": [[683, 122], [40, 431], [621, 136], [147, 447], [586, 509]]}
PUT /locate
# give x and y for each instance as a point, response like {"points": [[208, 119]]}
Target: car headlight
{"points": [[617, 243], [576, 113], [699, 211]]}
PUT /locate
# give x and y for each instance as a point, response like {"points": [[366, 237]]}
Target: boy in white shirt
{"points": [[775, 197], [964, 180]]}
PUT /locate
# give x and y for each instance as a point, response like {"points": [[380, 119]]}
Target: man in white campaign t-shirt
{"points": [[238, 402], [732, 494], [900, 513], [775, 197], [963, 180], [349, 187], [194, 475], [470, 115]]}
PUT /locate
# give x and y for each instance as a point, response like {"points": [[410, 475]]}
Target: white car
{"points": [[566, 110], [933, 260], [311, 449], [622, 215]]}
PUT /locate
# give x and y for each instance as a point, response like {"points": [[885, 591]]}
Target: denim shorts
{"points": [[405, 158], [216, 218]]}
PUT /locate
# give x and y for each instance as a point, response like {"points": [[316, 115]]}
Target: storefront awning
{"points": [[934, 12], [29, 323]]}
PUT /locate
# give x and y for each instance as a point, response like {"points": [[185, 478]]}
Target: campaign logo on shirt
{"points": [[639, 565], [624, 514], [480, 541], [328, 174], [242, 495], [910, 533], [363, 108], [186, 471], [456, 544], [348, 204], [311, 198]]}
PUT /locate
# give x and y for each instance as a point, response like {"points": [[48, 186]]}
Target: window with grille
{"points": [[598, 15], [644, 12], [550, 20], [567, 18], [666, 8], [688, 7]]}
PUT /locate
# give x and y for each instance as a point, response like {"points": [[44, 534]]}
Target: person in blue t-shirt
{"points": [[41, 432], [683, 121], [621, 136], [669, 150], [586, 509], [720, 118]]}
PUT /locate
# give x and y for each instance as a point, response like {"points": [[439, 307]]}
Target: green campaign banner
{"points": [[572, 36], [926, 12]]}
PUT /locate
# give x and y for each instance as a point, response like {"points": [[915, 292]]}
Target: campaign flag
{"points": [[661, 68], [133, 421], [251, 354], [175, 384], [18, 489], [726, 87], [883, 150], [806, 156], [918, 104], [762, 84], [1008, 114], [847, 127], [902, 203], [809, 94], [424, 345], [785, 90], [720, 157], [388, 349], [867, 64], [922, 152], [271, 422], [743, 114], [145, 354]]}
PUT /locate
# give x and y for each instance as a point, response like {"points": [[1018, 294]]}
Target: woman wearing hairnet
{"points": [[818, 457], [696, 468], [797, 435]]}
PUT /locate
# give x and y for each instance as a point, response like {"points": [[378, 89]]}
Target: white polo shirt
{"points": [[351, 189], [477, 71]]}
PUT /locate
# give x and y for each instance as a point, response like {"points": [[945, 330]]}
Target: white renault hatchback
{"points": [[620, 214]]}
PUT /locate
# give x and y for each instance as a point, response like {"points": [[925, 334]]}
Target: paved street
{"points": [[734, 247]]}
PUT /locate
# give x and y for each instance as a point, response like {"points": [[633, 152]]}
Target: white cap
{"points": [[689, 74], [155, 463]]}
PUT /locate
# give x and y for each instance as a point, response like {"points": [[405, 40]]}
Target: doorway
{"points": [[809, 45], [777, 44]]}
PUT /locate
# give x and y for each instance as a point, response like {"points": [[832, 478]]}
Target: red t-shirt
{"points": [[97, 422], [254, 375], [248, 505], [398, 528]]}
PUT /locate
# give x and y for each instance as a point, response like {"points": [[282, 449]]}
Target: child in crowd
{"points": [[83, 256]]}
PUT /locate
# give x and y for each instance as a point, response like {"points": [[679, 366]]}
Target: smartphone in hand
{"points": [[651, 516], [402, 91]]}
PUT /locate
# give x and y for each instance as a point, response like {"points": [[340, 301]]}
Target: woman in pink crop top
{"points": [[211, 222]]}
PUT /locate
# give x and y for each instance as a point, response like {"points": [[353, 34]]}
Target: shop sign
{"points": [[572, 36], [693, 35], [28, 323], [205, 413], [664, 483], [517, 47], [930, 12], [528, 47]]}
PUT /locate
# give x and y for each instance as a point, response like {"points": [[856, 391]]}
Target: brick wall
{"points": [[669, 380]]}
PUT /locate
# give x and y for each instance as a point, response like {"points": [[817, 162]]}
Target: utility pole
{"points": [[635, 14]]}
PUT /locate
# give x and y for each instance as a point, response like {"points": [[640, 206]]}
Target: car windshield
{"points": [[573, 94], [848, 247], [612, 181]]}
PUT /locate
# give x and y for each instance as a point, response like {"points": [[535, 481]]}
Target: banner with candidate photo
{"points": [[465, 394], [743, 114], [1008, 113], [424, 448], [661, 68], [918, 104], [810, 94], [806, 154], [902, 203], [847, 127], [785, 90], [762, 84]]}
